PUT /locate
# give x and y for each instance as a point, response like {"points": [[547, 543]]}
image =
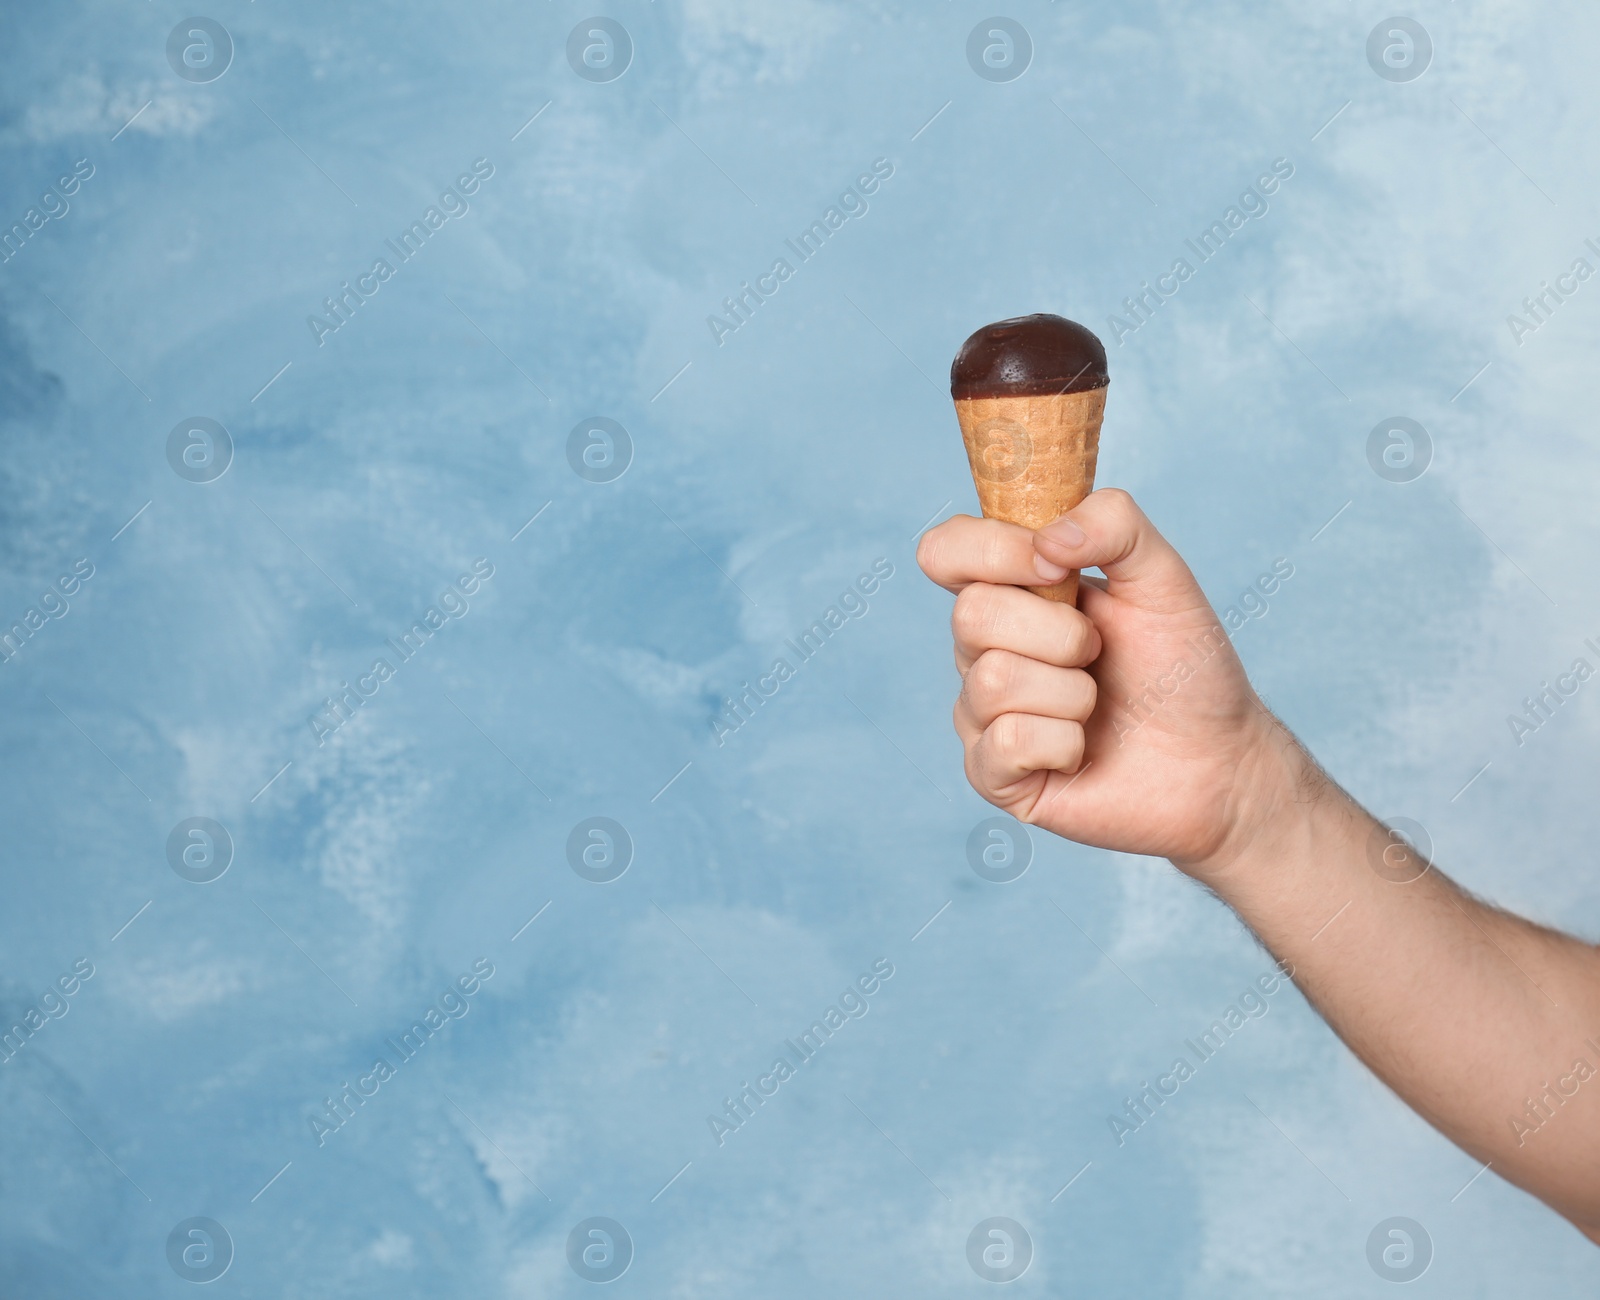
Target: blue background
{"points": [[772, 469]]}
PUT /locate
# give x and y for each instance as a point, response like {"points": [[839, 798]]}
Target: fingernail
{"points": [[1064, 532], [1049, 572]]}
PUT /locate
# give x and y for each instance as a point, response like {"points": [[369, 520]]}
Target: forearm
{"points": [[1468, 1013], [1486, 1024]]}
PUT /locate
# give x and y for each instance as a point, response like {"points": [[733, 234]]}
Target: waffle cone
{"points": [[1033, 459]]}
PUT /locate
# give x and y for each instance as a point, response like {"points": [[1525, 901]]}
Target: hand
{"points": [[1129, 725]]}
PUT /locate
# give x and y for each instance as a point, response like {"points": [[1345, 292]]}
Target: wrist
{"points": [[1278, 793]]}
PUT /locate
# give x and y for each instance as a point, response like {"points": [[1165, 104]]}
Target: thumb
{"points": [[1108, 531]]}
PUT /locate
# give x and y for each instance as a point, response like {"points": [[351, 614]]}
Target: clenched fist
{"points": [[1127, 723]]}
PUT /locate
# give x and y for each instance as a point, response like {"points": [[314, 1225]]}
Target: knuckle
{"points": [[1075, 763], [1091, 693], [989, 678], [1081, 637], [973, 614], [1080, 695], [1065, 753], [995, 550], [1007, 734]]}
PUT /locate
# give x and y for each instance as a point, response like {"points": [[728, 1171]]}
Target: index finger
{"points": [[964, 550]]}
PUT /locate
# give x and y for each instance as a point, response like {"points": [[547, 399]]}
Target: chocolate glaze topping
{"points": [[1029, 356]]}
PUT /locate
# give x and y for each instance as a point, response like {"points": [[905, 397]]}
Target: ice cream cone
{"points": [[1029, 393], [1033, 459]]}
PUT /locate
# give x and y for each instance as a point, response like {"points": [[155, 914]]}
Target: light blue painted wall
{"points": [[769, 468]]}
